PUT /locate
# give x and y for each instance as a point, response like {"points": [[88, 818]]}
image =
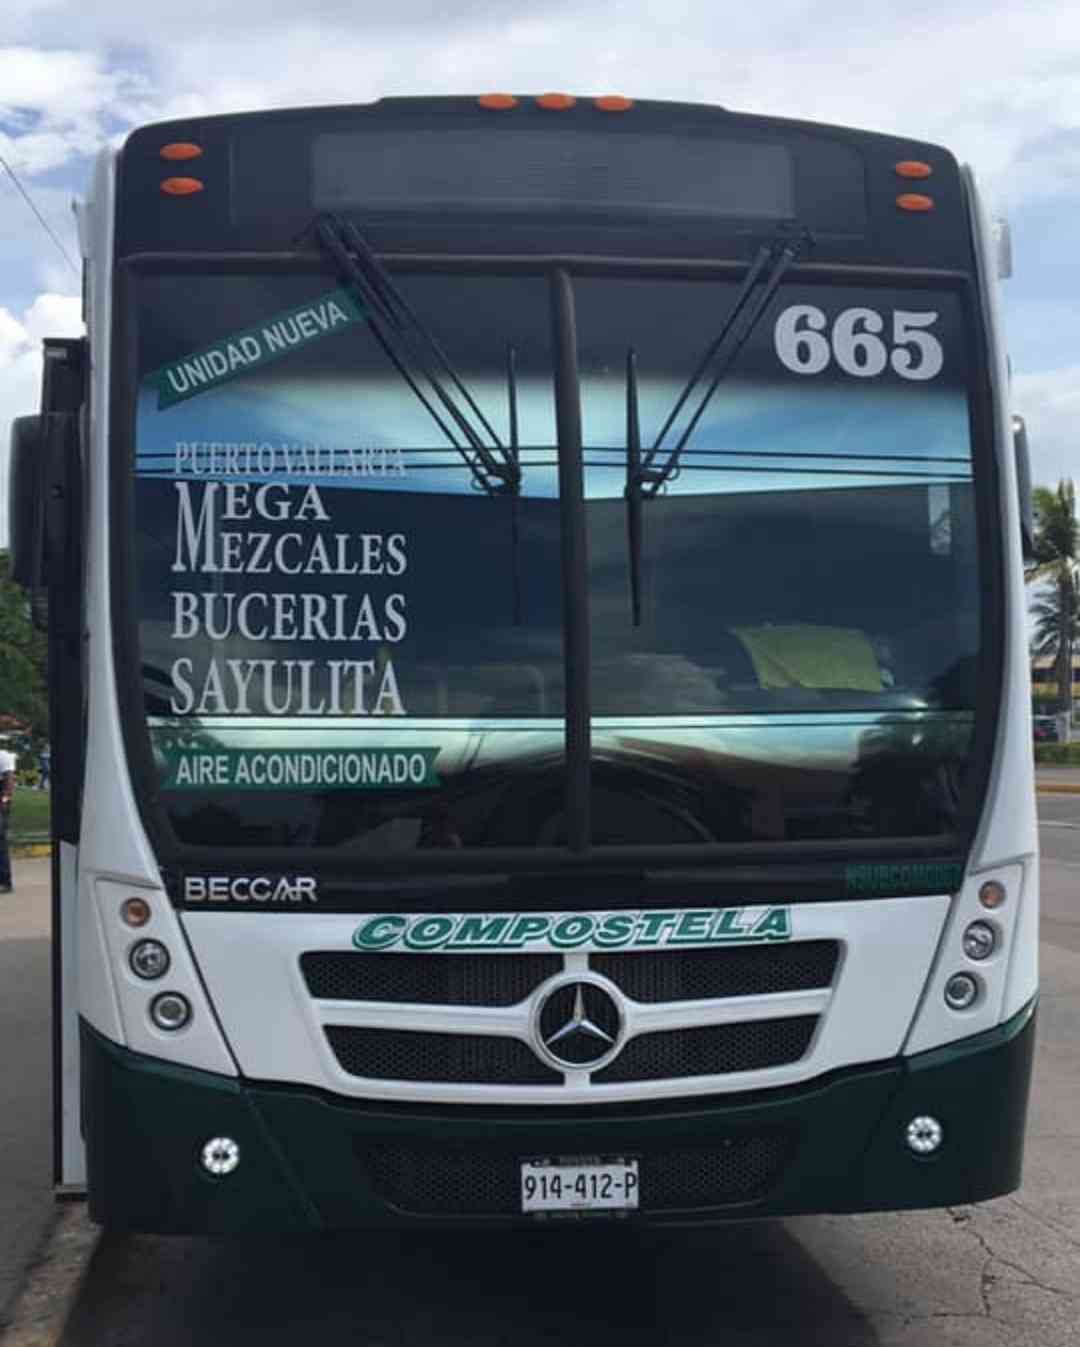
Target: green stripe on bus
{"points": [[376, 768], [241, 352]]}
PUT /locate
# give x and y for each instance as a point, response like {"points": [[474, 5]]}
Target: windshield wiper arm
{"points": [[514, 452], [782, 251], [417, 356], [636, 477]]}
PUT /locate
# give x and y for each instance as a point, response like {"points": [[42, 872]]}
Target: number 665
{"points": [[800, 342]]}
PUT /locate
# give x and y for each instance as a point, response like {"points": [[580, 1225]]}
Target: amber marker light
{"points": [[180, 150], [915, 201], [556, 102], [613, 103], [497, 102], [135, 911], [992, 895], [913, 168], [181, 186]]}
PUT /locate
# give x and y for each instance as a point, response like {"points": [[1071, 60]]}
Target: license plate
{"points": [[584, 1184]]}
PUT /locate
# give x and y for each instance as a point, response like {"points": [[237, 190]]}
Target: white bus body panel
{"points": [[1007, 842], [252, 963], [113, 845]]}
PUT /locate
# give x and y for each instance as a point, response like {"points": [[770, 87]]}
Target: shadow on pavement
{"points": [[739, 1285]]}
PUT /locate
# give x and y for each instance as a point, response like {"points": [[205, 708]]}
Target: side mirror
{"points": [[26, 501], [45, 509], [1023, 486]]}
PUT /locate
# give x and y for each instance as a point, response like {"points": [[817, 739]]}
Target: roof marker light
{"points": [[613, 103], [497, 102], [181, 186], [556, 102], [915, 201], [180, 150], [913, 168]]}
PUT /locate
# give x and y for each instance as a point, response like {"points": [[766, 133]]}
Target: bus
{"points": [[539, 681]]}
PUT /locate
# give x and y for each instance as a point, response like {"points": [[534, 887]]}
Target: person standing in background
{"points": [[7, 792]]}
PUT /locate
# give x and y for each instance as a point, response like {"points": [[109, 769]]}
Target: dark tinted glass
{"points": [[534, 169], [337, 622], [805, 665]]}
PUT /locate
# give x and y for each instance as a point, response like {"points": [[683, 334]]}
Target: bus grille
{"points": [[711, 1050], [406, 1054], [427, 979], [461, 1182], [505, 979], [712, 974], [487, 1059]]}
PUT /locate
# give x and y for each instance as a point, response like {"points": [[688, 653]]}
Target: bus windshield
{"points": [[348, 642]]}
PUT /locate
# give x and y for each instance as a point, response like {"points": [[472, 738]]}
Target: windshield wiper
{"points": [[636, 478], [781, 251], [514, 453], [419, 358], [642, 478]]}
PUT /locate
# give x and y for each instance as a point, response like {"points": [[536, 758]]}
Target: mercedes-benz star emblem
{"points": [[579, 1024]]}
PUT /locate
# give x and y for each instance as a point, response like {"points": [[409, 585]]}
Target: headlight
{"points": [[149, 959], [170, 1011], [980, 940], [961, 991]]}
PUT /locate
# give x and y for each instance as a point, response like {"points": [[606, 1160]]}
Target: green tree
{"points": [[22, 658], [1057, 611]]}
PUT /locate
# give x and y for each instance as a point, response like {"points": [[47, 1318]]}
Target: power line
{"points": [[41, 219]]}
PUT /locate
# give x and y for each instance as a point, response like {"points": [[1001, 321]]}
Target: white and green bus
{"points": [[539, 673]]}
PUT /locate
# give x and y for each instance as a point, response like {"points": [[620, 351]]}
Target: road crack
{"points": [[987, 1278]]}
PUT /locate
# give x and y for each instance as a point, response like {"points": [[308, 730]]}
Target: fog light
{"points": [[961, 991], [220, 1156], [135, 911], [149, 959], [924, 1135], [992, 894], [170, 1011], [979, 940]]}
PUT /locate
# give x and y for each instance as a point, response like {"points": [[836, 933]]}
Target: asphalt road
{"points": [[1005, 1272]]}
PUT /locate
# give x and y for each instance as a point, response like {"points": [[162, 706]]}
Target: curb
{"points": [[25, 849], [53, 1282], [1057, 788]]}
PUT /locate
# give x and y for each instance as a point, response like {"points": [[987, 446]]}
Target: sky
{"points": [[996, 81]]}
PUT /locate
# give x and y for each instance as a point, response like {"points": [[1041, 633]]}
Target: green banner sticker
{"points": [[242, 352], [300, 769], [920, 877]]}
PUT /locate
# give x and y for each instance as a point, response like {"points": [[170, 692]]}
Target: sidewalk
{"points": [[26, 1202], [1057, 780]]}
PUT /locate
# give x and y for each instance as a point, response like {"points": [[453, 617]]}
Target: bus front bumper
{"points": [[314, 1161]]}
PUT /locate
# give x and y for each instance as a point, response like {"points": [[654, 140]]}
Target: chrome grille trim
{"points": [[470, 1022]]}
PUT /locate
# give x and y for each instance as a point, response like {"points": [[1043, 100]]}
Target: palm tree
{"points": [[1057, 611]]}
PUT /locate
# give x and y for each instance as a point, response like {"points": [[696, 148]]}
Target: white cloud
{"points": [[1050, 404], [995, 81], [56, 105], [50, 315]]}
